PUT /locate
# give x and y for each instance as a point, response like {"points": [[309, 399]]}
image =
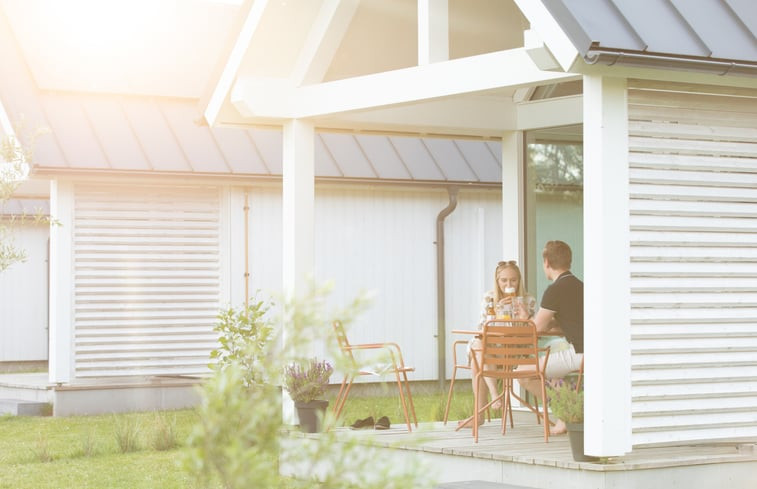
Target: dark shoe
{"points": [[362, 423], [383, 423]]}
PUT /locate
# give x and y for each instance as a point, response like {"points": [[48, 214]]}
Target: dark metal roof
{"points": [[717, 36]]}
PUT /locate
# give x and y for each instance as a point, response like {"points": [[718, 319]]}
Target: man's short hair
{"points": [[558, 255]]}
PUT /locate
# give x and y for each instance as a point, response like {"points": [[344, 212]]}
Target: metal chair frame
{"points": [[507, 345], [396, 366]]}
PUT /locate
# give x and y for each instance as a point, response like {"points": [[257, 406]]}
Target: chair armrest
{"points": [[392, 348]]}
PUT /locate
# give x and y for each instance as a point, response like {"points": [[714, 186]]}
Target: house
{"points": [[154, 208], [661, 94], [667, 97]]}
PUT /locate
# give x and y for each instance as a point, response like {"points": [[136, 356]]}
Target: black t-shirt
{"points": [[565, 296]]}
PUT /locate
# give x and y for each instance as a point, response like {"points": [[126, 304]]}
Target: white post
{"points": [[433, 31], [61, 320], [512, 198], [606, 268], [298, 203]]}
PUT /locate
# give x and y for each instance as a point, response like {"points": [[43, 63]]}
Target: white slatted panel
{"points": [[693, 185], [146, 278]]}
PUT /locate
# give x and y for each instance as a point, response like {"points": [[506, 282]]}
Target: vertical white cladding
{"points": [[23, 298], [146, 278], [381, 239], [693, 223]]}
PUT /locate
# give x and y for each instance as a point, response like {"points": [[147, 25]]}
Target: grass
{"points": [[428, 407], [141, 450], [86, 451]]}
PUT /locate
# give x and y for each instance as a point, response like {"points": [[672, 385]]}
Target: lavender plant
{"points": [[307, 383], [565, 402]]}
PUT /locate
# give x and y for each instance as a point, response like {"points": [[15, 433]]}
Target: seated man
{"points": [[562, 307]]}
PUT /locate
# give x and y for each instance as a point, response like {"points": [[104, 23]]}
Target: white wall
{"points": [[382, 239], [23, 299]]}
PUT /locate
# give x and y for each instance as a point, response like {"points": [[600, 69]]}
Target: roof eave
{"points": [[636, 59]]}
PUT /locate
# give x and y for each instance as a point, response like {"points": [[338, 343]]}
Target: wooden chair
{"points": [[395, 364], [465, 366], [510, 352]]}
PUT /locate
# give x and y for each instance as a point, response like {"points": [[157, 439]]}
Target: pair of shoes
{"points": [[383, 423], [361, 424]]}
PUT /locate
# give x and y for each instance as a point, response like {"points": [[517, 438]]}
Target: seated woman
{"points": [[508, 283]]}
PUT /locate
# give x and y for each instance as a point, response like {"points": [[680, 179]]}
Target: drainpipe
{"points": [[246, 251], [441, 327]]}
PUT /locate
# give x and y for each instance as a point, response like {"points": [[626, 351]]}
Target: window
{"points": [[554, 198]]}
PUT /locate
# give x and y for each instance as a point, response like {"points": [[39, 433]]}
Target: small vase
{"points": [[308, 414], [576, 437]]}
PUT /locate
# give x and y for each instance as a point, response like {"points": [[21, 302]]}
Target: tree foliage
{"points": [[557, 167], [15, 158], [241, 439]]}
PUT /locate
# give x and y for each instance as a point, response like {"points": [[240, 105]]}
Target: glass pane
{"points": [[554, 199]]}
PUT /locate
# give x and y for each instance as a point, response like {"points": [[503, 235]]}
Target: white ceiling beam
{"points": [[323, 40], [433, 31], [277, 99], [469, 116], [255, 9], [561, 111], [560, 47]]}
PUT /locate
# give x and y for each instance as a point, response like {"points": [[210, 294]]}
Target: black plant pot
{"points": [[310, 414], [576, 437]]}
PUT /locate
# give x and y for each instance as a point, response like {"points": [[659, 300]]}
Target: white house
{"points": [[668, 101], [385, 108]]}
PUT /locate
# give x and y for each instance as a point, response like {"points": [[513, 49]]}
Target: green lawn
{"points": [[84, 452]]}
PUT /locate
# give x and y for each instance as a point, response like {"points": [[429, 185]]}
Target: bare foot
{"points": [[559, 428], [497, 405], [468, 423]]}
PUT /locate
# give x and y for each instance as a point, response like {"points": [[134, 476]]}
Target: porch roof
{"points": [[712, 36]]}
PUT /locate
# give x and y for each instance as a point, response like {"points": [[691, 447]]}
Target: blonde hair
{"points": [[504, 265]]}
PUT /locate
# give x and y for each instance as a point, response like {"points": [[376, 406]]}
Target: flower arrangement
{"points": [[307, 383], [565, 402]]}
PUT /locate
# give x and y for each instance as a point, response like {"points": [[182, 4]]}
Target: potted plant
{"points": [[567, 403], [306, 385]]}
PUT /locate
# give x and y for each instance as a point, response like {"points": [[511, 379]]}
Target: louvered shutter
{"points": [[693, 217], [146, 279]]}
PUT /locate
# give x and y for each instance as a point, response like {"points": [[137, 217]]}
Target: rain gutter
{"points": [[722, 67]]}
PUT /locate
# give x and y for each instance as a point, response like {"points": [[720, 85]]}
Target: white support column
{"points": [[606, 268], [298, 204], [512, 198], [433, 31], [61, 358]]}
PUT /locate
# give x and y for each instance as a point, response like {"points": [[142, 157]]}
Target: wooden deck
{"points": [[521, 457]]}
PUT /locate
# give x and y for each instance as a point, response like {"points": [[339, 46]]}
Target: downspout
{"points": [[246, 252], [441, 327]]}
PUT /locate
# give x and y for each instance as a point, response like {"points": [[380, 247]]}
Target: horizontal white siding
{"points": [[23, 298], [382, 239], [693, 218], [146, 279]]}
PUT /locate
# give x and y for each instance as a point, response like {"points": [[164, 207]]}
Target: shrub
{"points": [[241, 441], [164, 432], [243, 334], [126, 432]]}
